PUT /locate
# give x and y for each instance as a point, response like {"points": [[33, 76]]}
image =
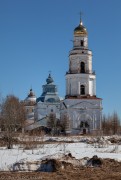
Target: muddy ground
{"points": [[110, 170]]}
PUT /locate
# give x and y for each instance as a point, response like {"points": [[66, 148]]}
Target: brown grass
{"points": [[110, 170]]}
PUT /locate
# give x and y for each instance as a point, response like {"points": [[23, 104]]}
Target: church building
{"points": [[81, 109], [81, 105], [47, 104]]}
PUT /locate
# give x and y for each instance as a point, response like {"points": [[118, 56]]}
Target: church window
{"points": [[82, 67], [82, 43], [82, 90]]}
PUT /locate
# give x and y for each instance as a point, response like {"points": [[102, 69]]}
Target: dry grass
{"points": [[110, 170]]}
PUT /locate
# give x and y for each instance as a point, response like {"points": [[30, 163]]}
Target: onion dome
{"points": [[49, 79], [31, 93], [80, 30], [31, 97]]}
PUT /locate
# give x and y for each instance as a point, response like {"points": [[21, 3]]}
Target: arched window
{"points": [[82, 67], [82, 90]]}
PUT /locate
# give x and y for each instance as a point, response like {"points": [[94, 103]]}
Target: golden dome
{"points": [[80, 30]]}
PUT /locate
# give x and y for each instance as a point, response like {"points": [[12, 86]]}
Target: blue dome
{"points": [[49, 79]]}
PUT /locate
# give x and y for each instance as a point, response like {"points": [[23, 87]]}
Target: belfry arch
{"points": [[82, 67]]}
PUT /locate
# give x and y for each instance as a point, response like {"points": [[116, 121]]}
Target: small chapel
{"points": [[81, 107]]}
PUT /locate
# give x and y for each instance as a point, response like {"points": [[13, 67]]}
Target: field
{"points": [[62, 158]]}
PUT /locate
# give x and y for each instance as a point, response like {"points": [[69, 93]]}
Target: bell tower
{"points": [[80, 78], [81, 105]]}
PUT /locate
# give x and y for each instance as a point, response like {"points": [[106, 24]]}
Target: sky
{"points": [[36, 37]]}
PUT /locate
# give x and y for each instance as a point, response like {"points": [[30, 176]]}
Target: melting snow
{"points": [[79, 147]]}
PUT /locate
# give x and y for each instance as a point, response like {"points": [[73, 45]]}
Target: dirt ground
{"points": [[110, 170]]}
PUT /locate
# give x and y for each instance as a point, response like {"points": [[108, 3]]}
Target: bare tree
{"points": [[105, 125], [0, 113], [111, 124], [52, 123], [115, 123], [65, 123], [1, 117], [13, 117]]}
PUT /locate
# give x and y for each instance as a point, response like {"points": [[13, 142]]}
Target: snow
{"points": [[80, 148]]}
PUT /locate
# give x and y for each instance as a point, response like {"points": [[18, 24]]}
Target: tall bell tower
{"points": [[80, 78], [81, 106]]}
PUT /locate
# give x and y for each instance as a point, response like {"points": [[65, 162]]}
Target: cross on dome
{"points": [[80, 30]]}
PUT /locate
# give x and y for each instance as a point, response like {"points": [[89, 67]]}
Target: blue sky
{"points": [[35, 38]]}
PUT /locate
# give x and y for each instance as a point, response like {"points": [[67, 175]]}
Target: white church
{"points": [[81, 106]]}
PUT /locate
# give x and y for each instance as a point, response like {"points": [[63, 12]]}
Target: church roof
{"points": [[80, 30], [31, 93], [31, 98], [49, 79], [49, 93]]}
